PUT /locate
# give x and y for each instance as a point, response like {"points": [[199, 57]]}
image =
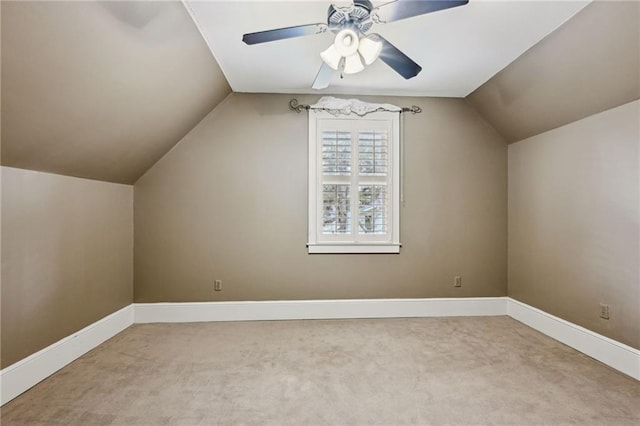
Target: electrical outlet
{"points": [[217, 285], [604, 311], [457, 281]]}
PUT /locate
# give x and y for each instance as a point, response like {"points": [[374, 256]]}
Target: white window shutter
{"points": [[354, 200]]}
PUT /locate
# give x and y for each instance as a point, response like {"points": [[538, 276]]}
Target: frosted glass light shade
{"points": [[369, 49], [331, 57], [353, 64], [346, 42]]}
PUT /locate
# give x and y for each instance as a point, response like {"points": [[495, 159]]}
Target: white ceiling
{"points": [[459, 49]]}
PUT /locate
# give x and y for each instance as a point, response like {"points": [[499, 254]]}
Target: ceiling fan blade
{"points": [[323, 78], [403, 9], [401, 63], [283, 33]]}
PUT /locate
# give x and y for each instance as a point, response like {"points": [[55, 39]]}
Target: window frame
{"points": [[353, 242]]}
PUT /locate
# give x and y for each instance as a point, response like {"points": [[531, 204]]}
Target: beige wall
{"points": [[66, 257], [573, 222], [230, 202], [0, 189]]}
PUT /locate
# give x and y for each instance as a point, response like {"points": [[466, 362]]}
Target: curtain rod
{"points": [[298, 107]]}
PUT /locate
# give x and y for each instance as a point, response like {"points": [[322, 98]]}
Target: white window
{"points": [[354, 184]]}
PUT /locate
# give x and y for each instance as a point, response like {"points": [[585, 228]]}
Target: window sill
{"points": [[353, 248]]}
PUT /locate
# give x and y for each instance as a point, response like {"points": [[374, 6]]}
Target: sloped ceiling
{"points": [[589, 65], [101, 90]]}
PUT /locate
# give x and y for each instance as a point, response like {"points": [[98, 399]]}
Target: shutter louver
{"points": [[336, 209], [372, 209], [336, 153], [373, 161], [336, 191], [373, 153]]}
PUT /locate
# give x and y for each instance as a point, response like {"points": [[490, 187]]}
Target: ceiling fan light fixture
{"points": [[353, 64], [331, 57], [369, 50]]}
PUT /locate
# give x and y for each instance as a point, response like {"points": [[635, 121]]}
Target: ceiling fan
{"points": [[353, 48]]}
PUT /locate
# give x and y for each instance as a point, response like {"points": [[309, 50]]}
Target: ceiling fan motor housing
{"points": [[356, 17]]}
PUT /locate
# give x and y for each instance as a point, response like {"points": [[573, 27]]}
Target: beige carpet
{"points": [[437, 371]]}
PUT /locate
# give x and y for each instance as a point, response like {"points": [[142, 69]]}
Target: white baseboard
{"points": [[318, 309], [608, 351], [19, 377]]}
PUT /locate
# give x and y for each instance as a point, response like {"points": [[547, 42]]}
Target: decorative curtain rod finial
{"points": [[414, 109], [297, 107]]}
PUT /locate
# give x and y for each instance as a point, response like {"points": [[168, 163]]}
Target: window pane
{"points": [[336, 209], [372, 209], [336, 153], [373, 156]]}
